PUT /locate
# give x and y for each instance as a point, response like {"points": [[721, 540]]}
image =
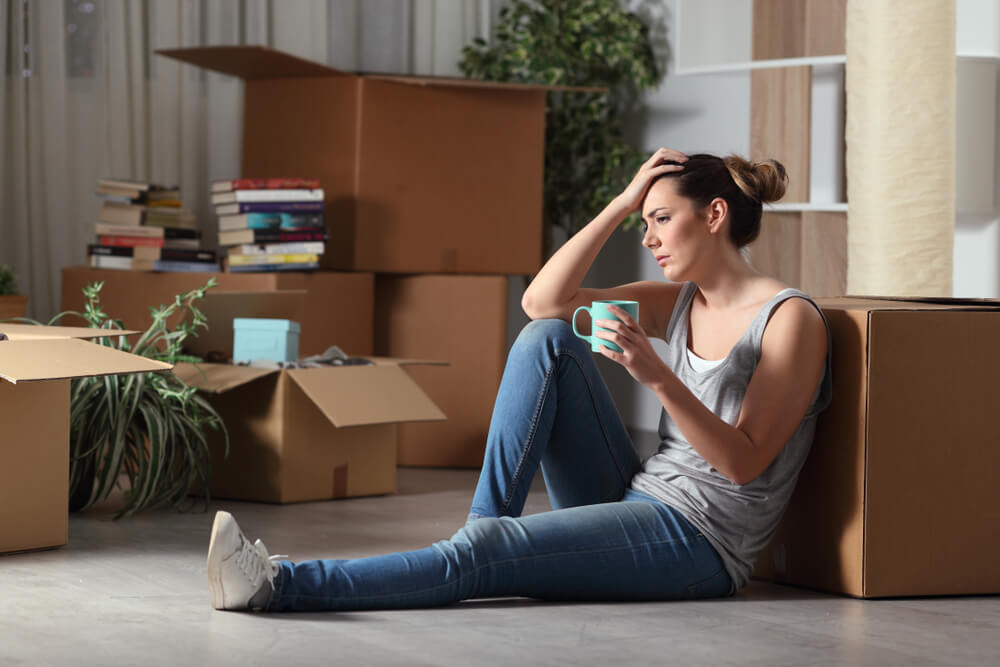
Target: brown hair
{"points": [[743, 184]]}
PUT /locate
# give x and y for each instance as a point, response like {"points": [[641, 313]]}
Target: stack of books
{"points": [[143, 227], [270, 224]]}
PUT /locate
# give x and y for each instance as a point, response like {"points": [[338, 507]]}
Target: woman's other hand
{"points": [[637, 355], [631, 198]]}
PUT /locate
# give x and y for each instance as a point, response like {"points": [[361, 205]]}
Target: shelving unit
{"points": [[794, 53]]}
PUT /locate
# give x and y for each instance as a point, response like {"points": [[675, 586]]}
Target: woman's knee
{"points": [[539, 333]]}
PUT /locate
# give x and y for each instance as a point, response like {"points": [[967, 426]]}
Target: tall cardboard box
{"points": [[308, 433], [460, 319], [899, 496], [421, 174], [337, 309], [36, 364]]}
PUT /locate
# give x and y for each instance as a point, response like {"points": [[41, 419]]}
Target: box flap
{"points": [[477, 83], [27, 360], [359, 395], [217, 378], [221, 308], [852, 302], [40, 332], [397, 361], [251, 62]]}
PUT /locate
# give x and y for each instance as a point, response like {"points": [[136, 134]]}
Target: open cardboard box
{"points": [[899, 495], [421, 174], [36, 364], [308, 433], [305, 433]]}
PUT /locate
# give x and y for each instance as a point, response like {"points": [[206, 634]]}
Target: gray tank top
{"points": [[738, 521]]}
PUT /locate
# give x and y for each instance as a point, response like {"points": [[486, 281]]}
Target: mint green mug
{"points": [[599, 311]]}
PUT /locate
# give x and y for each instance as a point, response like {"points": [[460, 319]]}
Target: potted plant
{"points": [[586, 43], [12, 304], [144, 433]]}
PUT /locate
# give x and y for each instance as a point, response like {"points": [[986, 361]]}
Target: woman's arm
{"points": [[555, 291], [793, 357]]}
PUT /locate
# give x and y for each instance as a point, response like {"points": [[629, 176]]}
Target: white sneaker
{"points": [[240, 574]]}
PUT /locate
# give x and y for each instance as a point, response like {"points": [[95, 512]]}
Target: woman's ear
{"points": [[717, 209]]}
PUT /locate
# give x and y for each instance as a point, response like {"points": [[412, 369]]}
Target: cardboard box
{"points": [[337, 308], [461, 319], [899, 495], [309, 433], [421, 174], [36, 364]]}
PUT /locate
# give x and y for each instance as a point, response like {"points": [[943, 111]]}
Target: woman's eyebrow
{"points": [[653, 212]]}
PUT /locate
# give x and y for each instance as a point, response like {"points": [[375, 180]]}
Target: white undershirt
{"points": [[702, 365]]}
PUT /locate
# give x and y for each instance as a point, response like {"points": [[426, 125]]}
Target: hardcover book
{"points": [[265, 184], [270, 207], [239, 196]]}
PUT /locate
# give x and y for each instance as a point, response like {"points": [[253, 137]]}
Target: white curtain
{"points": [[85, 97]]}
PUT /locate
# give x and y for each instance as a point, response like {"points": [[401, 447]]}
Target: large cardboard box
{"points": [[337, 308], [899, 496], [461, 319], [421, 174], [308, 433], [36, 364]]}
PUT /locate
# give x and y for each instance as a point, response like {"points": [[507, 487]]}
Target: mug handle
{"points": [[575, 330]]}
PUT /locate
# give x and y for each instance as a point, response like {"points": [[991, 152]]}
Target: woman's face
{"points": [[676, 233]]}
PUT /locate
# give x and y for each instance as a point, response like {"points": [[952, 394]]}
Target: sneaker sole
{"points": [[214, 573]]}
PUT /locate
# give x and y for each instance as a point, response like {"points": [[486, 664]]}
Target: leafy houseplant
{"points": [[575, 43], [12, 304], [149, 426]]}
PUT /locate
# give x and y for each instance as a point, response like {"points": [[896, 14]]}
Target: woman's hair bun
{"points": [[763, 181]]}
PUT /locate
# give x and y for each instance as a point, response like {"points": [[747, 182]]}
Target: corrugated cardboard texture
{"points": [[898, 497], [461, 319], [308, 434], [254, 416], [320, 461], [425, 203], [34, 476], [27, 360], [337, 309], [932, 511], [360, 395], [420, 174], [40, 332]]}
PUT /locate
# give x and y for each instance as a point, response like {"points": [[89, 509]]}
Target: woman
{"points": [[746, 374]]}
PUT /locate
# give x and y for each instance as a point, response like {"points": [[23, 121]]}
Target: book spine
{"points": [[180, 233], [250, 268], [185, 267], [130, 241], [268, 196], [185, 255], [266, 184], [277, 207], [109, 250], [302, 220], [273, 259], [307, 248], [105, 228]]}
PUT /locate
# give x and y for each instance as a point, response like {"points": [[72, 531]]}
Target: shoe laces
{"points": [[254, 561]]}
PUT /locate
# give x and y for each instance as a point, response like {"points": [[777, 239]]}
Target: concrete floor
{"points": [[134, 592]]}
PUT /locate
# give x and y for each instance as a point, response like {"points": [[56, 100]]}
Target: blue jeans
{"points": [[602, 540]]}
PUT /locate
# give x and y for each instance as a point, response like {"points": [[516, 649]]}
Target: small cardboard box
{"points": [[265, 338], [461, 319], [899, 495], [421, 174], [336, 308], [308, 433], [36, 364]]}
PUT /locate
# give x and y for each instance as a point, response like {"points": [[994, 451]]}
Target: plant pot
{"points": [[13, 305]]}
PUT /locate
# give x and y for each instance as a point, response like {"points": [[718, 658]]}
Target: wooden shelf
{"points": [[801, 207]]}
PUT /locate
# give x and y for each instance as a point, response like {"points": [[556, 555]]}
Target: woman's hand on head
{"points": [[637, 355], [631, 198]]}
